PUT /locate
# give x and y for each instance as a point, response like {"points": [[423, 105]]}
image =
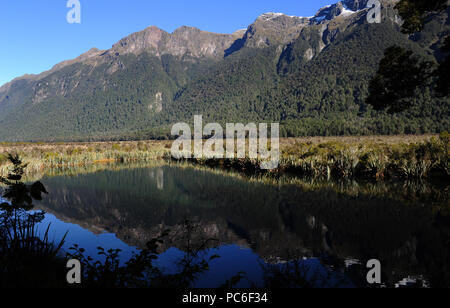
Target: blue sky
{"points": [[35, 34]]}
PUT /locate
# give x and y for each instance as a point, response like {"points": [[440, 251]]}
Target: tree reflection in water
{"points": [[336, 226]]}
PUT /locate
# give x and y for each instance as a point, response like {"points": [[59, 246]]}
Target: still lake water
{"points": [[333, 228]]}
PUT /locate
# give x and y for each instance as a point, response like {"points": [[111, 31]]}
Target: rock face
{"points": [[276, 28], [273, 29], [87, 57], [340, 9], [183, 41], [355, 5]]}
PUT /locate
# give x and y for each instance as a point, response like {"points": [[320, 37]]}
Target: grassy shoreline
{"points": [[41, 156], [376, 157], [371, 158]]}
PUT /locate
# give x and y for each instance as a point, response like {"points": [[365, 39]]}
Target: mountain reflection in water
{"points": [[258, 223]]}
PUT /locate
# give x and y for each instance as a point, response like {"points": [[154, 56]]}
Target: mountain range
{"points": [[311, 74]]}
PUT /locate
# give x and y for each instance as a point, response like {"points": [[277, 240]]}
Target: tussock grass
{"points": [[371, 157], [378, 158], [43, 156], [375, 157]]}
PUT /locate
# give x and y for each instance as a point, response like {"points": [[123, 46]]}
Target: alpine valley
{"points": [[311, 74]]}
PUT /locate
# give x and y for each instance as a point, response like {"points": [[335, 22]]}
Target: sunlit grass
{"points": [[376, 157], [43, 156]]}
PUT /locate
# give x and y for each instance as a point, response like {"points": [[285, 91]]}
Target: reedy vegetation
{"points": [[364, 157], [44, 156], [410, 157]]}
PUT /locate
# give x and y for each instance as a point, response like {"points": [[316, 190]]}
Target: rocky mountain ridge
{"points": [[268, 29]]}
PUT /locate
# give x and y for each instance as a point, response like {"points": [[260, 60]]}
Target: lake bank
{"points": [[372, 158]]}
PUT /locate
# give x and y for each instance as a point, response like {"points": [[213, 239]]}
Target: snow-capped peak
{"points": [[347, 12], [272, 15], [330, 12]]}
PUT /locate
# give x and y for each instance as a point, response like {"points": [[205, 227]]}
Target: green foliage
{"points": [[400, 75], [414, 12], [443, 81], [25, 258], [19, 194]]}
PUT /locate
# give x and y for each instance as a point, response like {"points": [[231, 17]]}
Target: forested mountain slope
{"points": [[311, 74]]}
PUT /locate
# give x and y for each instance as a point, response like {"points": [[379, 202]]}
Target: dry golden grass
{"points": [[397, 139], [9, 147], [416, 156], [48, 155]]}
